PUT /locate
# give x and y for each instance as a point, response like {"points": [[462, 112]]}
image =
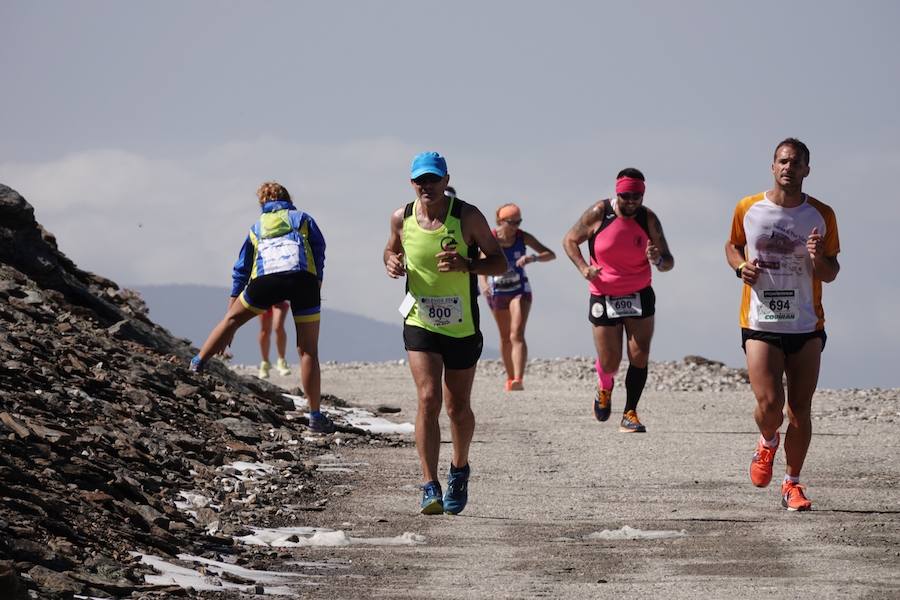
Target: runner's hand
{"points": [[652, 251], [590, 272], [524, 260], [394, 266], [814, 244], [451, 260], [750, 272], [224, 350]]}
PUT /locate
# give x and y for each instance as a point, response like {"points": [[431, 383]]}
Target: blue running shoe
{"points": [[431, 499], [320, 423], [602, 404], [197, 365], [457, 490]]}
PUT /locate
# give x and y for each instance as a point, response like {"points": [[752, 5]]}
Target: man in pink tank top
{"points": [[624, 238]]}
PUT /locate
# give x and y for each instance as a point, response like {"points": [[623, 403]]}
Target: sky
{"points": [[140, 132]]}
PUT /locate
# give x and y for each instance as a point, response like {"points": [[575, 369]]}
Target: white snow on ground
{"points": [[293, 537], [259, 468], [274, 583], [358, 417], [630, 533], [191, 500], [331, 463]]}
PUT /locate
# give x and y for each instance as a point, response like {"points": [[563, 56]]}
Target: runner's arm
{"points": [[317, 245], [658, 249], [543, 254], [393, 251], [734, 254], [240, 273], [476, 229], [577, 235], [826, 268]]}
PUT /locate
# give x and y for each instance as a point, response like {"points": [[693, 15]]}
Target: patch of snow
{"points": [[294, 537], [274, 583], [630, 533], [359, 418]]}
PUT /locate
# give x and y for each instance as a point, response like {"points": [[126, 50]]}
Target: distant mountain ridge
{"points": [[191, 311]]}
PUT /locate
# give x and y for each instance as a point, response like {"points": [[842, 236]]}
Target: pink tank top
{"points": [[619, 248]]}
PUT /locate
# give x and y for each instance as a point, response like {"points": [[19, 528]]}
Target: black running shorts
{"points": [[789, 343], [300, 288], [458, 353], [599, 306]]}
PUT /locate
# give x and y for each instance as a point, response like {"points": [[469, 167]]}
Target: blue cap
{"points": [[428, 162]]}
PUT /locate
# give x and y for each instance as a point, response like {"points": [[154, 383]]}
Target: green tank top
{"points": [[446, 303]]}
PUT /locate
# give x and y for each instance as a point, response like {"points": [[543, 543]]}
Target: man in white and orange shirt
{"points": [[624, 238], [783, 246]]}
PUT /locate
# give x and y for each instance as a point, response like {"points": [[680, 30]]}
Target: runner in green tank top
{"points": [[435, 243]]}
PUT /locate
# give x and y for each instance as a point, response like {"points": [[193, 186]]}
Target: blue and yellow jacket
{"points": [[283, 240]]}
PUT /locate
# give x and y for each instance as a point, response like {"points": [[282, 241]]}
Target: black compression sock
{"points": [[635, 379]]}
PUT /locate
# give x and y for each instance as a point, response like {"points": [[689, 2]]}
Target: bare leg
{"points": [[802, 371], [265, 334], [502, 316], [608, 342], [310, 375], [222, 333], [426, 369], [518, 312], [765, 364], [639, 332], [458, 396], [279, 313]]}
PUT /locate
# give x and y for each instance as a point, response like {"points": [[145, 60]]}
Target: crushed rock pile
{"points": [[109, 446], [692, 374]]}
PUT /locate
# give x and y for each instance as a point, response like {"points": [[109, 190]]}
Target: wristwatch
{"points": [[740, 268]]}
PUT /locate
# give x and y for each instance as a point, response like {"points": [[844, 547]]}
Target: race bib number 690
{"points": [[618, 307]]}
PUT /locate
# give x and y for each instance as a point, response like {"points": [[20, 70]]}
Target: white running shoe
{"points": [[264, 368], [282, 367]]}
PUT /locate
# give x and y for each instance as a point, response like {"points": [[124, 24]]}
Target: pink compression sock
{"points": [[606, 379]]}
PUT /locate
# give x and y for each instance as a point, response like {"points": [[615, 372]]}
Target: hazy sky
{"points": [[140, 131]]}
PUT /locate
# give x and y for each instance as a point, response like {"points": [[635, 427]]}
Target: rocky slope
{"points": [[102, 427]]}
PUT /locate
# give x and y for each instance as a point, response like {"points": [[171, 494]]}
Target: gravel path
{"points": [[552, 488]]}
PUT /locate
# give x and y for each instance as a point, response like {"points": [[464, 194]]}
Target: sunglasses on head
{"points": [[427, 179], [630, 196]]}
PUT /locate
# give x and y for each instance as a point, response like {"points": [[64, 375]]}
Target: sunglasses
{"points": [[515, 222], [630, 196], [427, 179]]}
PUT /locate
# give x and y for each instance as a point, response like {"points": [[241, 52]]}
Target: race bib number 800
{"points": [[441, 311]]}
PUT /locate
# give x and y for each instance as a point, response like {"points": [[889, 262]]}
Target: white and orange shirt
{"points": [[787, 297]]}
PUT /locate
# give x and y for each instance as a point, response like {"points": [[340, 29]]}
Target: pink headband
{"points": [[629, 184]]}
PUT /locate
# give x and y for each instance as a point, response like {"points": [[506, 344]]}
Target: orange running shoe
{"points": [[602, 404], [516, 385], [508, 385], [761, 465], [793, 498], [631, 424]]}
